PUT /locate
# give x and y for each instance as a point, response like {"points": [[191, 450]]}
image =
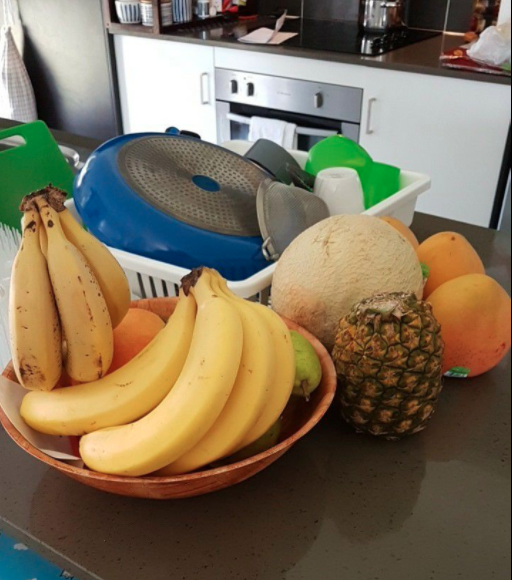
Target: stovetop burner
{"points": [[322, 35], [347, 37]]}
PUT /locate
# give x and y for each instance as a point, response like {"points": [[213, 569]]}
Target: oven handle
{"points": [[300, 130]]}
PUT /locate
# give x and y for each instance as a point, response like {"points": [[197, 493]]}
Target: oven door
{"points": [[233, 122]]}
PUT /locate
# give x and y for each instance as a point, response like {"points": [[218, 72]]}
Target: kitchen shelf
{"points": [[115, 27], [130, 29]]}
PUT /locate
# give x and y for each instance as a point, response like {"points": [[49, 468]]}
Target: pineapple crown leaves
{"points": [[385, 306]]}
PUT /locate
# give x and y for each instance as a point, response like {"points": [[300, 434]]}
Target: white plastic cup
{"points": [[341, 189]]}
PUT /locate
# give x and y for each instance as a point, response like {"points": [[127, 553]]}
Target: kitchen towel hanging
{"points": [[17, 98], [280, 132]]}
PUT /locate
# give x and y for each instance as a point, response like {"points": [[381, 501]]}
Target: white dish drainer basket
{"points": [[152, 279]]}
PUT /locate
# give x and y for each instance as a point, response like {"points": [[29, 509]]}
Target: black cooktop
{"points": [[347, 37], [333, 36]]}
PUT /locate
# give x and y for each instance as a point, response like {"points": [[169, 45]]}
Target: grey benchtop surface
{"points": [[422, 58], [338, 506]]}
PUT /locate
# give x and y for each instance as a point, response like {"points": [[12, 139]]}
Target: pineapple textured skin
{"points": [[389, 355]]}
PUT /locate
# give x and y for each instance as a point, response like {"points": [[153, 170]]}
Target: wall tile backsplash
{"points": [[331, 9], [433, 14]]}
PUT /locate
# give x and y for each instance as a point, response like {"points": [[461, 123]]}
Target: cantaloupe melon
{"points": [[448, 255], [338, 263], [475, 316]]}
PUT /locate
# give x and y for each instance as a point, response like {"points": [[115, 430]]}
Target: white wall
{"points": [[505, 13]]}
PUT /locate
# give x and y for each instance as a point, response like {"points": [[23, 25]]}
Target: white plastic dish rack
{"points": [[152, 279]]}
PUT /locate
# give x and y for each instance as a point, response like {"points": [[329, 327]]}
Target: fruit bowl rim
{"points": [[329, 380]]}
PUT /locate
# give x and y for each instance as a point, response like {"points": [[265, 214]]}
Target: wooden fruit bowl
{"points": [[299, 419]]}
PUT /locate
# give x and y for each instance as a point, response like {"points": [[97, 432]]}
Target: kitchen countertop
{"points": [[422, 58], [339, 505]]}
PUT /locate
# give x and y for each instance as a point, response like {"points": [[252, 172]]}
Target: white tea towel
{"points": [[280, 132], [17, 99]]}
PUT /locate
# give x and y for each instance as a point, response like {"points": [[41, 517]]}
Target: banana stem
{"points": [[190, 280], [54, 196]]}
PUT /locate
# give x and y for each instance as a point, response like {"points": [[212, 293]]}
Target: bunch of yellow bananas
{"points": [[67, 294], [215, 380]]}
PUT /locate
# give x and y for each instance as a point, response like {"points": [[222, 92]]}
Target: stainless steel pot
{"points": [[382, 15]]}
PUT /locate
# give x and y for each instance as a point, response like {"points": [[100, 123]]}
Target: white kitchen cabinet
{"points": [[453, 130], [164, 84]]}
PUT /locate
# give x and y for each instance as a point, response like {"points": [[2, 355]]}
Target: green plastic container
{"points": [[34, 164], [339, 151], [384, 182]]}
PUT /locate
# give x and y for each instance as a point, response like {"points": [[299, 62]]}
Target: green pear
{"points": [[264, 443], [308, 373]]}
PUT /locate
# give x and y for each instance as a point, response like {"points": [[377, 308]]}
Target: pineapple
{"points": [[388, 355]]}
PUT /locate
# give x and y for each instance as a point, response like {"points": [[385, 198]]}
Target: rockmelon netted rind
{"points": [[338, 263]]}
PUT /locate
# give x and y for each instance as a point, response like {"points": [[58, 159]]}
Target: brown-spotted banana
{"points": [[83, 312], [109, 274], [36, 341], [124, 396]]}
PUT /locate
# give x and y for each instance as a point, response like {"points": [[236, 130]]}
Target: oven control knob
{"points": [[319, 100], [234, 87], [251, 90]]}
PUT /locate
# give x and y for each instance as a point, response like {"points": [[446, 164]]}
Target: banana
{"points": [[36, 339], [123, 396], [245, 405], [82, 309], [193, 406], [109, 274], [43, 241], [284, 378]]}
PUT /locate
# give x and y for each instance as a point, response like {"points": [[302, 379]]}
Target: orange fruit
{"points": [[404, 230], [138, 328], [448, 256], [475, 316]]}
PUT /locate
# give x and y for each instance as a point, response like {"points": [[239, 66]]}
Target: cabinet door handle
{"points": [[369, 121], [205, 89]]}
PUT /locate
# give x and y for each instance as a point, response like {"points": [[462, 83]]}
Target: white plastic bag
{"points": [[17, 99], [494, 46]]}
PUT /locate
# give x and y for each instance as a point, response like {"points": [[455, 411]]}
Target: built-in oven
{"points": [[319, 110]]}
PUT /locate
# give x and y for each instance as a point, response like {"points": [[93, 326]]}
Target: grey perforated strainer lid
{"points": [[284, 212], [194, 182]]}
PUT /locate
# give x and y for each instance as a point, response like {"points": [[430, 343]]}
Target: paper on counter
{"points": [[11, 397], [269, 36]]}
